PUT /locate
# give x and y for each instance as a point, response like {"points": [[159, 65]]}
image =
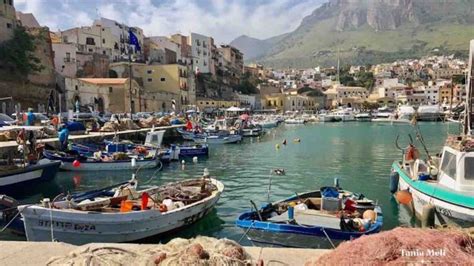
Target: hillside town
{"points": [[98, 68], [136, 141]]}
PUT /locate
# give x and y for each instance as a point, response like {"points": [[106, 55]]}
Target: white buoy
{"points": [[183, 162], [195, 159], [134, 162]]}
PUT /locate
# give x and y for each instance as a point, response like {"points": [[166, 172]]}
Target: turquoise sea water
{"points": [[359, 154]]}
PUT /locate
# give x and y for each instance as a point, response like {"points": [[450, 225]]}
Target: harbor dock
{"points": [[39, 253], [7, 145]]}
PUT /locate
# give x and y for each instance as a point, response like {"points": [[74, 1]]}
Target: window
{"points": [[469, 168], [9, 26], [111, 89], [163, 79], [448, 166], [68, 57], [76, 88], [103, 40], [149, 71], [149, 79], [91, 50], [10, 2], [90, 41]]}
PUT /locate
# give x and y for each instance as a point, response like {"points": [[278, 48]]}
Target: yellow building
{"points": [[7, 20], [273, 101], [172, 78], [104, 94]]}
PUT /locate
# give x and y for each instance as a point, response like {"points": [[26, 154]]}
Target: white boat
{"points": [[344, 115], [267, 123], [363, 117], [217, 139], [429, 113], [440, 189], [112, 219], [294, 121], [327, 117], [405, 112]]}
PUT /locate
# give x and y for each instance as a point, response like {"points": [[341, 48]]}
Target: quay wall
{"points": [[8, 146], [39, 253]]}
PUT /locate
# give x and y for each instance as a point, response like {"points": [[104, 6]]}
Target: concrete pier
{"points": [[38, 253]]}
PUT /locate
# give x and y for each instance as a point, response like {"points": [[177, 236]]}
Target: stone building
{"points": [[103, 94], [7, 20]]}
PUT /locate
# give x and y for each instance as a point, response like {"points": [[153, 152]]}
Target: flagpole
{"points": [[130, 75]]}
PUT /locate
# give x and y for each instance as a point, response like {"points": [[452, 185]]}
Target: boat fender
{"points": [[195, 159], [394, 178], [428, 216], [404, 197]]}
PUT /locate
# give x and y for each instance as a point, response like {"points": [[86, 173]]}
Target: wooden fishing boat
{"points": [[15, 176], [121, 214], [311, 220], [75, 162]]}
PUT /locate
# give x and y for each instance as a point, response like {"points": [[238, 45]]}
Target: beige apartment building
{"points": [[7, 19]]}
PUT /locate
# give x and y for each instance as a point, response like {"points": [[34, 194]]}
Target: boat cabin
{"points": [[154, 138], [456, 169]]}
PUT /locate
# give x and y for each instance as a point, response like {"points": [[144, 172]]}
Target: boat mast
{"points": [[469, 89]]}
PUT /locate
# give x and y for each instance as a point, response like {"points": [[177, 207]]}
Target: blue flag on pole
{"points": [[134, 41]]}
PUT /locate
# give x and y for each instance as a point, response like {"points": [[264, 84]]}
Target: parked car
{"points": [[5, 120]]}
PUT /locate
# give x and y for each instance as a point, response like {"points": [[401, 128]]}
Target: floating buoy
{"points": [[394, 182], [284, 142], [195, 159], [277, 146], [369, 214], [76, 163], [183, 162], [404, 197], [279, 171], [297, 140], [134, 162]]}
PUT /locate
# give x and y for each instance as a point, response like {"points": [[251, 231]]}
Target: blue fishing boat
{"points": [[14, 177], [316, 219], [102, 162]]}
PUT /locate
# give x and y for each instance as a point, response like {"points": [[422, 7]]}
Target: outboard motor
{"points": [[8, 209]]}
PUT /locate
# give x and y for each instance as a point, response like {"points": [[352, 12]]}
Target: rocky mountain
{"points": [[368, 31]]}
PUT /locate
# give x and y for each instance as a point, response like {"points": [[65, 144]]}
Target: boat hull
{"points": [[218, 139], [44, 170], [78, 227], [446, 212], [110, 166]]}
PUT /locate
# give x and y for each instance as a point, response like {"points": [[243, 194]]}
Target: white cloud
{"points": [[222, 19]]}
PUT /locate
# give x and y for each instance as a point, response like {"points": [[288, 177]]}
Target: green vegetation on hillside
{"points": [[17, 54], [322, 44]]}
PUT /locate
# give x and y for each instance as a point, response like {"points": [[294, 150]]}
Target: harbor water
{"points": [[358, 154]]}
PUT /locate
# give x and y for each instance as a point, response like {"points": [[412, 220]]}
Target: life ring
{"points": [[163, 208]]}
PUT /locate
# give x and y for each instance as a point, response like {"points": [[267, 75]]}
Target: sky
{"points": [[222, 19]]}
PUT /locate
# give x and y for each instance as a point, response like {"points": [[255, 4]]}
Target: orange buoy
{"points": [[126, 206], [403, 197], [163, 208]]}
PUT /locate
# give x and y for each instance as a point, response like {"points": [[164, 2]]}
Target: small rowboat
{"points": [[310, 220], [121, 214], [95, 164], [217, 138]]}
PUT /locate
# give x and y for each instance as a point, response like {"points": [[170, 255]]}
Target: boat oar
{"points": [[256, 210]]}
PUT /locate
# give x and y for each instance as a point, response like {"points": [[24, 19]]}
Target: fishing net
{"points": [[197, 251], [403, 246]]}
